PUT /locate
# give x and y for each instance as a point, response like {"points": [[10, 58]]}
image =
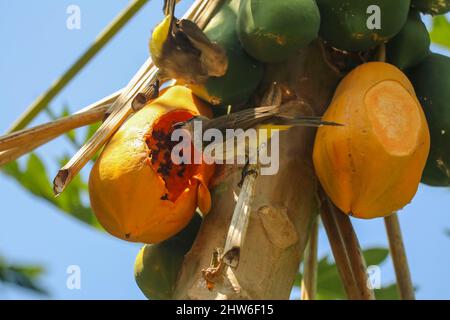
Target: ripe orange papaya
{"points": [[135, 190], [372, 165]]}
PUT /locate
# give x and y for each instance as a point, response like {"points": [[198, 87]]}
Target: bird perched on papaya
{"points": [[181, 50]]}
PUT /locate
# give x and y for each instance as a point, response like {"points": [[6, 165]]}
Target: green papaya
{"points": [[157, 266], [411, 45], [433, 7], [271, 31], [358, 25], [431, 80], [244, 73]]}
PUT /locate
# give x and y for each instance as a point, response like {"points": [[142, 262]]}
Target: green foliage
{"points": [[26, 277], [431, 83], [411, 45], [440, 32], [70, 135], [33, 177], [329, 286]]}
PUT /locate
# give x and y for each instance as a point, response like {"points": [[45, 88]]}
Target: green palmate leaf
{"points": [[91, 130], [329, 285], [89, 133], [440, 32], [103, 38], [70, 135], [26, 277], [33, 177], [375, 256], [389, 292]]}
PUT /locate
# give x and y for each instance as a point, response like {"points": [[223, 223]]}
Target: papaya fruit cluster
{"points": [[395, 116], [372, 166], [136, 192]]}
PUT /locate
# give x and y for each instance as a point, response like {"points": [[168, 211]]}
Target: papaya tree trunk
{"points": [[283, 209]]}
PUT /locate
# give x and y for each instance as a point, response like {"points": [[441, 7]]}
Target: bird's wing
{"points": [[193, 32], [243, 119], [213, 56]]}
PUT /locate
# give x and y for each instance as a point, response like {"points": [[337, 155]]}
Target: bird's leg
{"points": [[247, 170]]}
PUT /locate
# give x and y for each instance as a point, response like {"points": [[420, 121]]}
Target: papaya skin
{"points": [[372, 166], [344, 22], [128, 196], [431, 82], [411, 45], [157, 265], [243, 74], [271, 31]]}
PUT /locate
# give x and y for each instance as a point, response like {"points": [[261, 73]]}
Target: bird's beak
{"points": [[169, 7], [330, 123], [169, 11]]}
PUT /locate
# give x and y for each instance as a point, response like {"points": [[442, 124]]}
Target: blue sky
{"points": [[36, 49]]}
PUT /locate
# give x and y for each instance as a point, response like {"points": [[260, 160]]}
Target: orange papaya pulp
{"points": [[136, 192], [372, 166]]}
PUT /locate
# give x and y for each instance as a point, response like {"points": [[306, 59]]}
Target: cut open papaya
{"points": [[372, 165]]}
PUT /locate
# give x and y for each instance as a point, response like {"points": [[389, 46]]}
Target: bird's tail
{"points": [[304, 121]]}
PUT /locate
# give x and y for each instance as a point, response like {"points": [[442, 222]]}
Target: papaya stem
{"points": [[239, 221], [398, 254], [309, 279], [18, 143], [380, 54], [346, 251]]}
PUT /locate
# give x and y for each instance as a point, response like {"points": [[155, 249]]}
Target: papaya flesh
{"points": [[432, 84], [243, 74], [157, 266], [433, 7], [271, 31], [344, 23], [372, 165], [411, 45], [136, 192]]}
